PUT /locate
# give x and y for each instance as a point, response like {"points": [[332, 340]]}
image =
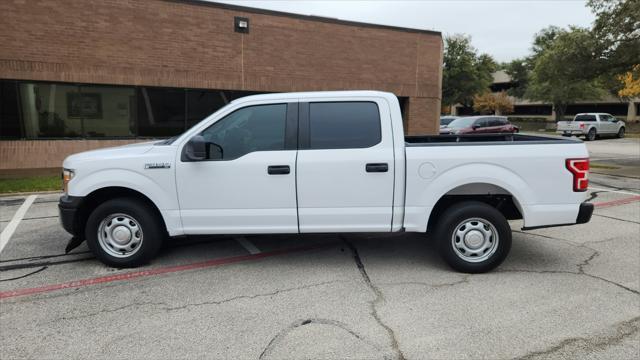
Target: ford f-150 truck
{"points": [[323, 162], [592, 125]]}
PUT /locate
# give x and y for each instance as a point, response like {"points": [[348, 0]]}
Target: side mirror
{"points": [[215, 151], [195, 149], [474, 127]]}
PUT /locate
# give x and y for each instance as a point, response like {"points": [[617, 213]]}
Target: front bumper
{"points": [[69, 210]]}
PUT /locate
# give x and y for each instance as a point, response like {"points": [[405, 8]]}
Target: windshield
{"points": [[462, 123], [446, 120]]}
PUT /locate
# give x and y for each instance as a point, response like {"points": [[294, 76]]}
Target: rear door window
{"points": [[343, 125], [483, 122]]}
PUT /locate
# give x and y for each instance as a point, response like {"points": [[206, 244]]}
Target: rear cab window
{"points": [[585, 118], [344, 125]]}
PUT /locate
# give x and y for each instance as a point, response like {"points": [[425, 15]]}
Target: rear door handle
{"points": [[278, 169], [377, 167]]}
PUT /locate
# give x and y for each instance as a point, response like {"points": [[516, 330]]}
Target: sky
{"points": [[503, 29]]}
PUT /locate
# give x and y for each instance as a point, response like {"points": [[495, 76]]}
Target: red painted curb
{"points": [[153, 272], [627, 200]]}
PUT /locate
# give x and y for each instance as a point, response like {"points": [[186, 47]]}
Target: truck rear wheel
{"points": [[124, 232], [591, 135], [473, 237]]}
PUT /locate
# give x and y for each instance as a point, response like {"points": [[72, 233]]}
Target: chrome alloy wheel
{"points": [[475, 240], [120, 235]]}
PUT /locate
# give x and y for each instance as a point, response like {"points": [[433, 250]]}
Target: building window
{"points": [[532, 110], [161, 112], [202, 103], [619, 109], [51, 110], [37, 110], [106, 111], [9, 112]]}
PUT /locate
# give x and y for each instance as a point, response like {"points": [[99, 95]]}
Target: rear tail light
{"points": [[580, 170], [581, 125]]}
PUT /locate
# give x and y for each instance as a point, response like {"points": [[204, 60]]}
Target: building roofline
{"points": [[303, 17]]}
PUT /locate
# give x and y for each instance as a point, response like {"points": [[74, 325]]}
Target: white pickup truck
{"points": [[592, 125], [323, 162]]}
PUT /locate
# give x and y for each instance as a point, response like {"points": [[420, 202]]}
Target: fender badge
{"points": [[157, 166]]}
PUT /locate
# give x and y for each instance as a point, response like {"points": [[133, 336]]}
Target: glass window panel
{"points": [[9, 112], [344, 125], [45, 110], [107, 111], [253, 128], [161, 112], [202, 103]]}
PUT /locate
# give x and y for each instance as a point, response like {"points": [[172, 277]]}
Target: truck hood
{"points": [[110, 153]]}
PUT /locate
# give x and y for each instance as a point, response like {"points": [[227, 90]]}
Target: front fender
{"points": [[159, 192]]}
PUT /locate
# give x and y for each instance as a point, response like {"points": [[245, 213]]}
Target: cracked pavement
{"points": [[567, 292]]}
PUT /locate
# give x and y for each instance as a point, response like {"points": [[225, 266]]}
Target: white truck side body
{"points": [[328, 189]]}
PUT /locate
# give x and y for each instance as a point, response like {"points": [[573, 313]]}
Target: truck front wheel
{"points": [[124, 232], [473, 237]]}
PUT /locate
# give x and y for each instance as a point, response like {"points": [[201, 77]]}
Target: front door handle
{"points": [[377, 167], [278, 169]]}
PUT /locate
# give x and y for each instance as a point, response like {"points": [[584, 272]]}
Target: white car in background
{"points": [[446, 120], [592, 125]]}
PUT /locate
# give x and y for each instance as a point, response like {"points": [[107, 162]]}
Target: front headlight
{"points": [[67, 175]]}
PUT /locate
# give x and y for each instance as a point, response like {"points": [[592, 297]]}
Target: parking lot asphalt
{"points": [[562, 292]]}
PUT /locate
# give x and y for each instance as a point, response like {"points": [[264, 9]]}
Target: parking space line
{"points": [[613, 191], [158, 271], [248, 245], [618, 202], [6, 234]]}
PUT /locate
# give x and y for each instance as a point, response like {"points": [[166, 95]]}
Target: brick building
{"points": [[76, 75]]}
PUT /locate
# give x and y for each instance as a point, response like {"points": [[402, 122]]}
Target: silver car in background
{"points": [[592, 125]]}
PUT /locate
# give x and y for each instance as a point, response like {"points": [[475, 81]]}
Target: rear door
{"points": [[345, 166], [483, 125]]}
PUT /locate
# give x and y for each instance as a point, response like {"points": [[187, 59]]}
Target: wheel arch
{"points": [[487, 182], [92, 200], [493, 195]]}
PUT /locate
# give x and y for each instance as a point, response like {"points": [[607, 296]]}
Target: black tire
{"points": [[620, 133], [465, 213], [591, 135], [134, 214]]}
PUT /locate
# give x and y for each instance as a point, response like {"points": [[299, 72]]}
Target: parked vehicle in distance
{"points": [[480, 125], [323, 162], [445, 120], [592, 125]]}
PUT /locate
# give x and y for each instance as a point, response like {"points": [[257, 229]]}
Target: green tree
{"points": [[518, 70], [561, 70], [465, 73], [617, 34]]}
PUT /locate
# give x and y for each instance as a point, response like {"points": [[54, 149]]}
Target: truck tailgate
{"points": [[568, 126]]}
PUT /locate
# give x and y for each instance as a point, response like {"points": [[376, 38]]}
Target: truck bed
{"points": [[485, 139]]}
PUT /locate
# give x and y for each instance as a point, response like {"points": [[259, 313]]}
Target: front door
{"points": [[345, 167], [247, 184]]}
